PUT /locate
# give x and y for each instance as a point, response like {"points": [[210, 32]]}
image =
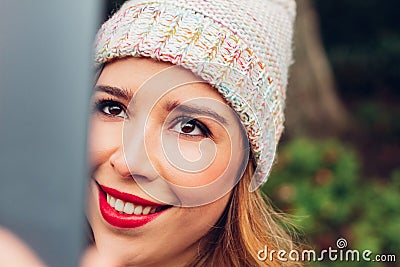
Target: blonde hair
{"points": [[247, 225]]}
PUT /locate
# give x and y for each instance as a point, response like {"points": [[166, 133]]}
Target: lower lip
{"points": [[123, 220]]}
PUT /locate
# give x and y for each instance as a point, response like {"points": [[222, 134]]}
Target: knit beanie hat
{"points": [[243, 48]]}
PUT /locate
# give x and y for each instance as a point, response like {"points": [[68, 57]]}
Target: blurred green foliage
{"points": [[375, 134], [381, 121], [319, 183]]}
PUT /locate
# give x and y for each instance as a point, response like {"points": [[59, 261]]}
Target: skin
{"points": [[173, 238], [14, 252]]}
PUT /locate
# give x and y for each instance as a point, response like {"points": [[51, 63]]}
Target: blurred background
{"points": [[338, 166]]}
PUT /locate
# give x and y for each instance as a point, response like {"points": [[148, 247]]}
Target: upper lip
{"points": [[129, 197]]}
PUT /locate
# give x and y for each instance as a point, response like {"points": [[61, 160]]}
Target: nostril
{"points": [[118, 164]]}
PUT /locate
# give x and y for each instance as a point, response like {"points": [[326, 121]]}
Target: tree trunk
{"points": [[313, 108]]}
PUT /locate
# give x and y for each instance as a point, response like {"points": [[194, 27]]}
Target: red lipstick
{"points": [[123, 220]]}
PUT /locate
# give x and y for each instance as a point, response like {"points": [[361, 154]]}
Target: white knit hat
{"points": [[241, 47]]}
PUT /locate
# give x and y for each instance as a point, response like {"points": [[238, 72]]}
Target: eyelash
{"points": [[101, 104], [186, 119]]}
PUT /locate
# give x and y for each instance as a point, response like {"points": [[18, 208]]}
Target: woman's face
{"points": [[144, 207]]}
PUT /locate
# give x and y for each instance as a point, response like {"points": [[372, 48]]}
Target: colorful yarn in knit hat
{"points": [[241, 47]]}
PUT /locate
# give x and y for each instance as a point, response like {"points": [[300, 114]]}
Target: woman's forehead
{"points": [[130, 72], [147, 75]]}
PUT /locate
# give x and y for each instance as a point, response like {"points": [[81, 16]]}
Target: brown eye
{"points": [[188, 127], [191, 127], [112, 108]]}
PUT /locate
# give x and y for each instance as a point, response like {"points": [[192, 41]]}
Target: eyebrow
{"points": [[115, 91], [195, 110]]}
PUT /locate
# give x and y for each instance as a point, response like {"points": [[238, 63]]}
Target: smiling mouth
{"points": [[124, 207], [126, 210]]}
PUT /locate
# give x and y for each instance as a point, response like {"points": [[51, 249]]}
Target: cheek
{"points": [[103, 138], [213, 182], [188, 163]]}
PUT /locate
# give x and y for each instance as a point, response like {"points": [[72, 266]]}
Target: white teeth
{"points": [[112, 202], [129, 208], [146, 210], [138, 210], [119, 205]]}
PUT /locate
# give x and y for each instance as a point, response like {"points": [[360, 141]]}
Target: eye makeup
{"points": [[110, 108], [190, 127]]}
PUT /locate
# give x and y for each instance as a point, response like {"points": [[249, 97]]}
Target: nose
{"points": [[119, 164], [131, 159]]}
